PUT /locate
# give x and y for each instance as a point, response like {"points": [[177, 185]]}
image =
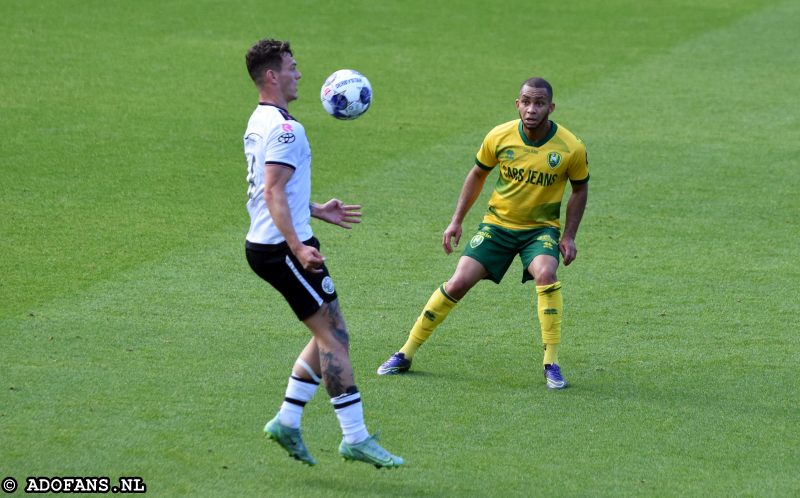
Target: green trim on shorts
{"points": [[495, 248]]}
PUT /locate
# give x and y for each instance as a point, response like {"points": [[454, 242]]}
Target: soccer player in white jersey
{"points": [[282, 250]]}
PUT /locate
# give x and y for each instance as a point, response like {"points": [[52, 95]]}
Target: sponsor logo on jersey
{"points": [[532, 176], [516, 174], [327, 285], [286, 138], [554, 159]]}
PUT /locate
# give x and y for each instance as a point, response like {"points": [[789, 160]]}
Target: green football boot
{"points": [[369, 451], [290, 439]]}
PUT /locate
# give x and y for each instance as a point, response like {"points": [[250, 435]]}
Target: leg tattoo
{"points": [[336, 321], [332, 371], [335, 363]]}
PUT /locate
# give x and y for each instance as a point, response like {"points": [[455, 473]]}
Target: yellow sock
{"points": [[550, 354], [550, 307], [434, 313]]}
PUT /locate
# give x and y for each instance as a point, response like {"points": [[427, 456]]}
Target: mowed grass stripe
{"points": [[117, 149], [688, 315]]}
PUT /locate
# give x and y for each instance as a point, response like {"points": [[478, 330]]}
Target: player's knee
{"points": [[457, 287], [546, 276]]}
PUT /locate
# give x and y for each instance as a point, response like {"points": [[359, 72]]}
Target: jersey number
{"points": [[252, 190]]}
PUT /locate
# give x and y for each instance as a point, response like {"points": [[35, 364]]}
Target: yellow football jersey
{"points": [[533, 176]]}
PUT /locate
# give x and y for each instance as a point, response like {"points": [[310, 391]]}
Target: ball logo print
{"points": [[346, 94]]}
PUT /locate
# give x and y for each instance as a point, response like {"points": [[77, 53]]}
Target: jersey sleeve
{"points": [[578, 171], [283, 146], [487, 156]]}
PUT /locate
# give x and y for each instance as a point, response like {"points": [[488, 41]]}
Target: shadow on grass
{"points": [[378, 482], [418, 373]]}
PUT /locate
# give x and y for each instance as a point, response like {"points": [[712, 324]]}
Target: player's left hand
{"points": [[338, 213], [568, 250]]}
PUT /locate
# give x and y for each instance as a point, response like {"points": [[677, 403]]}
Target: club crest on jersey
{"points": [[508, 155], [286, 138], [554, 159], [327, 285], [287, 127]]}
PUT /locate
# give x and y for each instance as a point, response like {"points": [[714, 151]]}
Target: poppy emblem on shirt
{"points": [[286, 138], [554, 159]]}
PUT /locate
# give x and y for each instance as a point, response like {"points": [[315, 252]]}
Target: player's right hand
{"points": [[453, 230], [310, 258]]}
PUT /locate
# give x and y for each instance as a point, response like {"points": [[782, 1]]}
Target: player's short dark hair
{"points": [[537, 82], [265, 54]]}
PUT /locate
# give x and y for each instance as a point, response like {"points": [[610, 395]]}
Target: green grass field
{"points": [[137, 342]]}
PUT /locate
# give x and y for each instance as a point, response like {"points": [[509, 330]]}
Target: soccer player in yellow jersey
{"points": [[535, 158]]}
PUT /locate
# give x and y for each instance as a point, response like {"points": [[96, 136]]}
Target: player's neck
{"points": [[537, 134], [267, 97]]}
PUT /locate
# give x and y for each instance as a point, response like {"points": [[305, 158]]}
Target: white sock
{"points": [[298, 393], [351, 417]]}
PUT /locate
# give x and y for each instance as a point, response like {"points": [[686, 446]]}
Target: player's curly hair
{"points": [[537, 82], [265, 54]]}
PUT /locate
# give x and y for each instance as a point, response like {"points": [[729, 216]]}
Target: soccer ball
{"points": [[346, 94]]}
